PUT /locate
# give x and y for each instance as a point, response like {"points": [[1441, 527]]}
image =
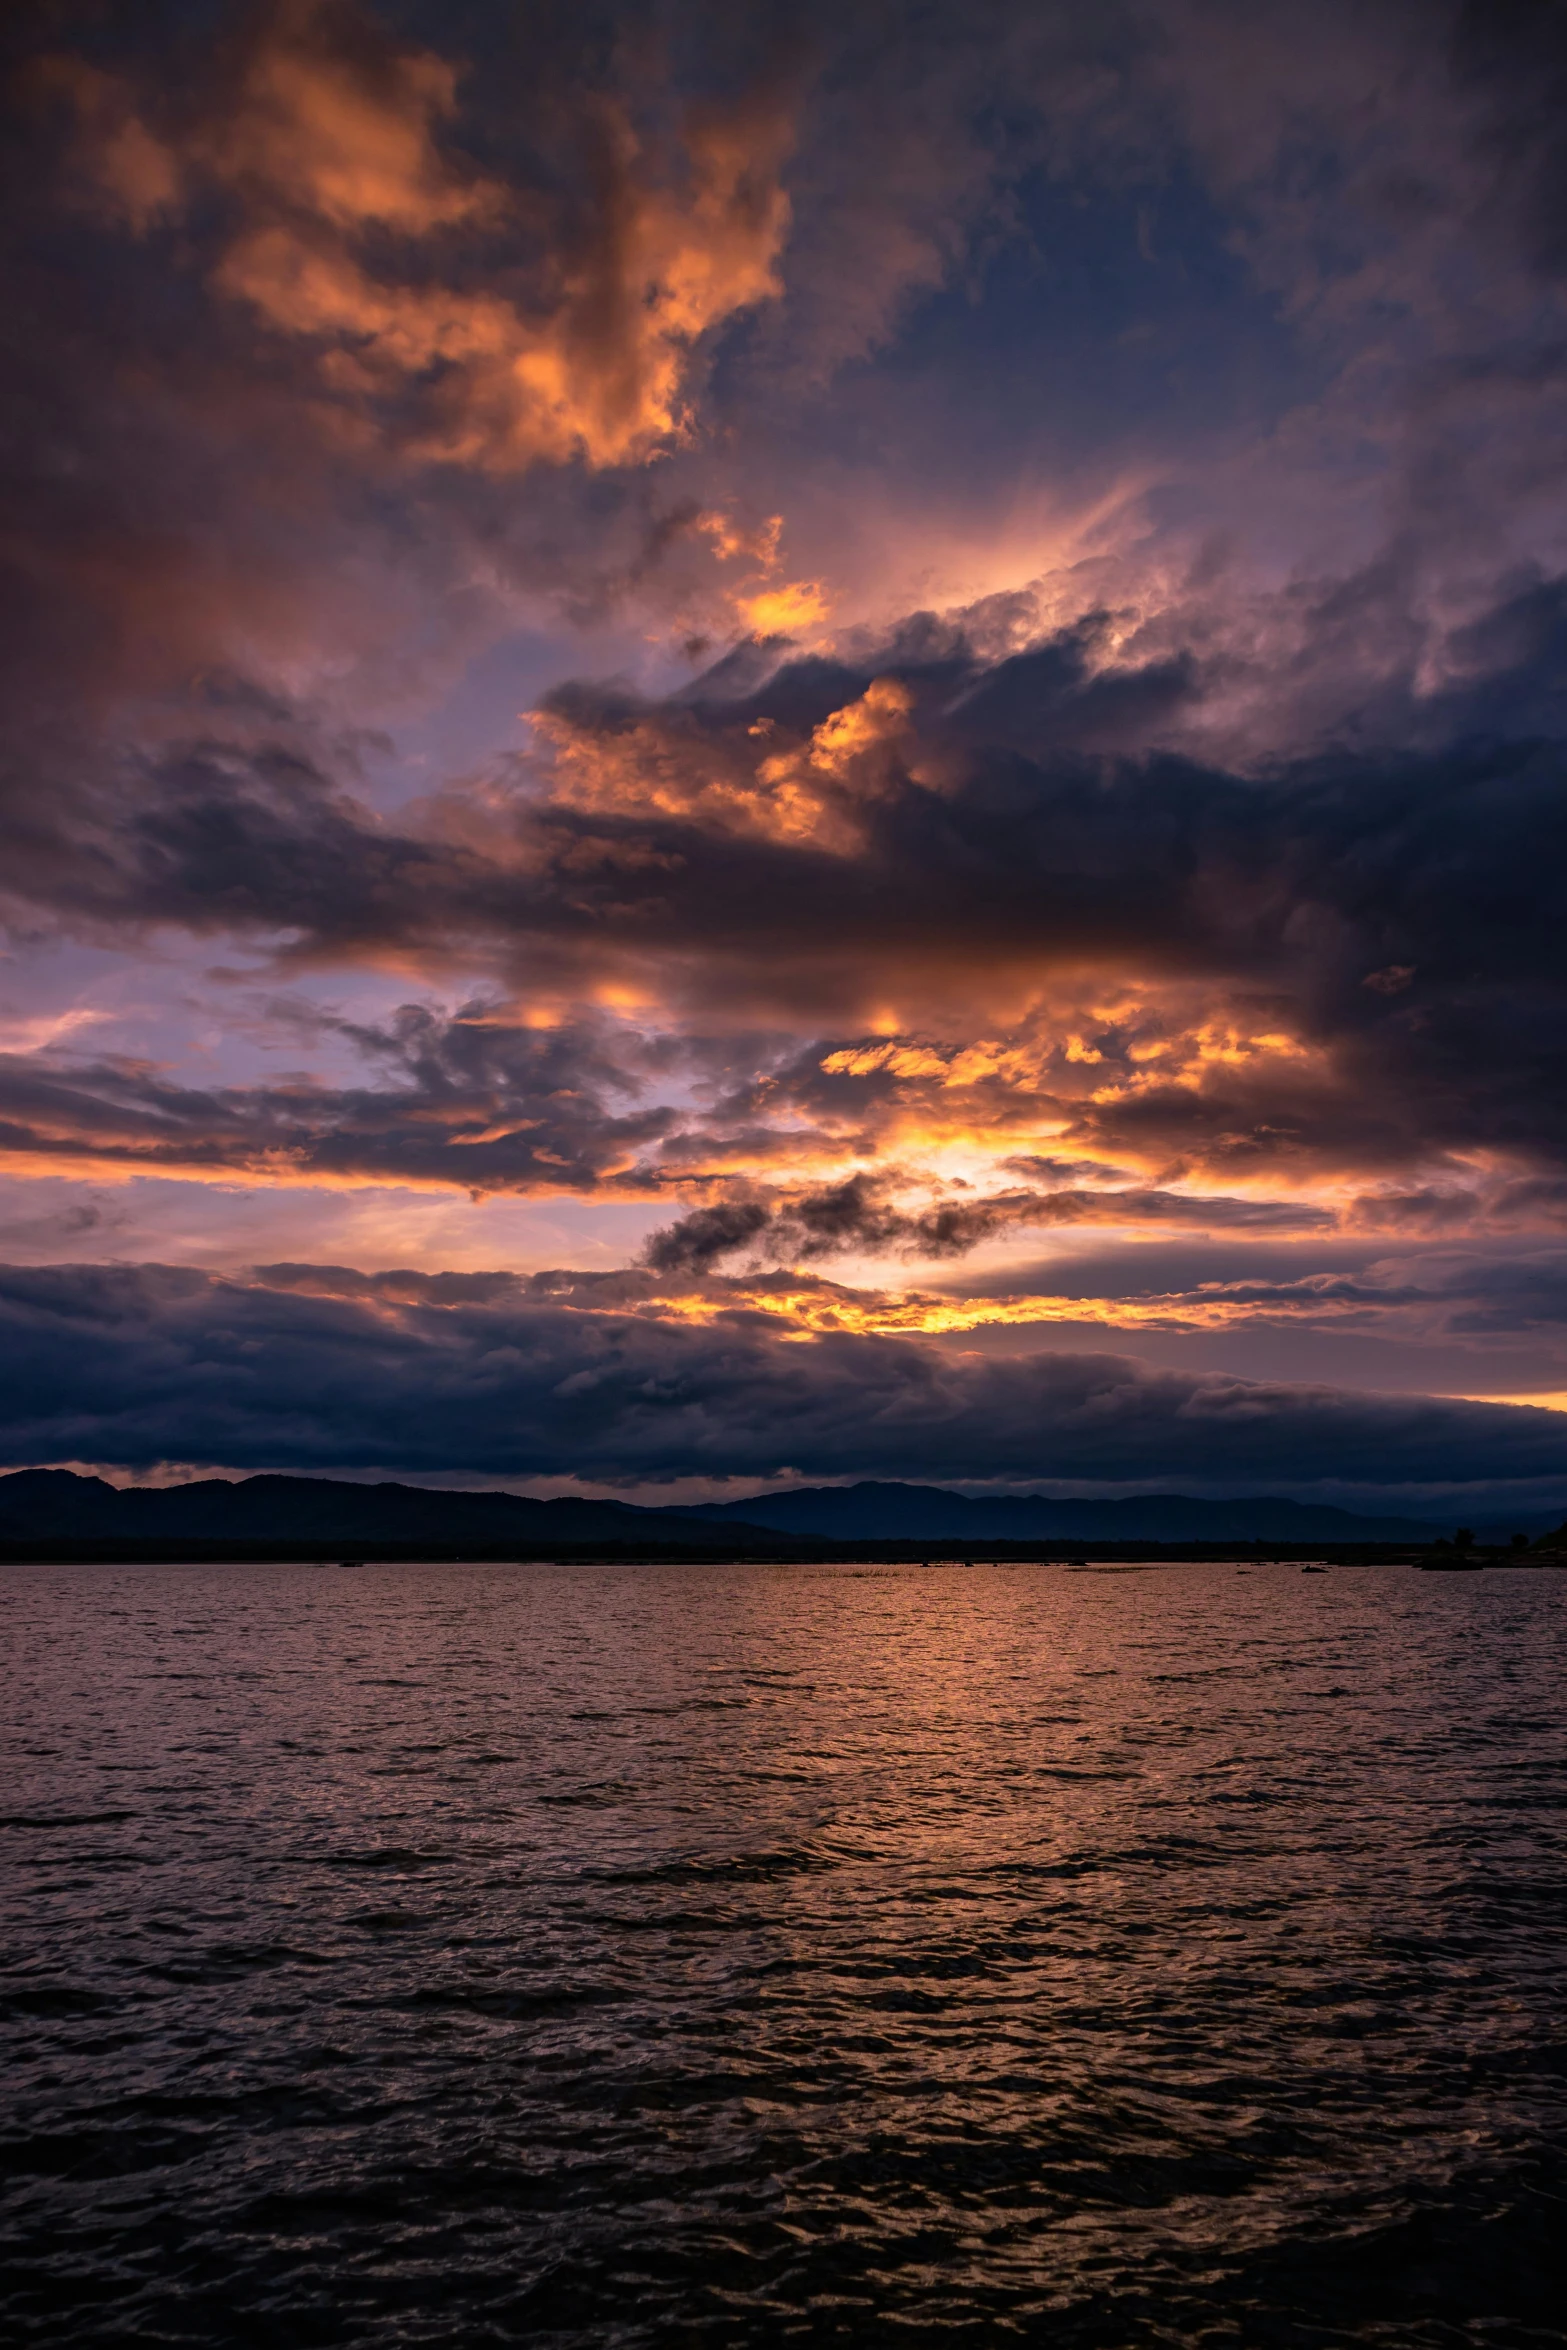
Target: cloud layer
{"points": [[310, 1369], [1347, 969]]}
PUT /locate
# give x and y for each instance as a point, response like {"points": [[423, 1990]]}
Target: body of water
{"points": [[753, 1955]]}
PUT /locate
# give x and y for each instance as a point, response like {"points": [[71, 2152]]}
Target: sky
{"points": [[773, 744]]}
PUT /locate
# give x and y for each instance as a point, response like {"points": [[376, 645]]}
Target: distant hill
{"points": [[929, 1513], [56, 1505]]}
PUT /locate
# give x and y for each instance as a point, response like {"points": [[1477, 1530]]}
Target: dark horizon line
{"points": [[1255, 1552], [732, 1511]]}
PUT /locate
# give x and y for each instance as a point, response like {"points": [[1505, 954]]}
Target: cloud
{"points": [[351, 230], [473, 1103], [334, 357], [1411, 1287], [697, 1241], [1342, 967], [489, 1375], [861, 1216], [473, 1100]]}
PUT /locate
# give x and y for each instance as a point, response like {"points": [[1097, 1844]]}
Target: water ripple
{"points": [[617, 1957]]}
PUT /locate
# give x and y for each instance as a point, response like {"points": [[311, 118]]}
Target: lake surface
{"points": [[720, 1955]]}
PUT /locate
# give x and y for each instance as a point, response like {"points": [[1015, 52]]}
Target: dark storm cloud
{"points": [[224, 833], [697, 1241], [1379, 840], [138, 1365], [967, 853], [1399, 910], [857, 1217], [1396, 914], [470, 1102], [1512, 55]]}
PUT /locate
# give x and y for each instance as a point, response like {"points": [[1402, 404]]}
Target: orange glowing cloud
{"points": [[807, 792], [357, 228], [781, 608], [788, 610], [811, 1309], [851, 759], [347, 147], [730, 540]]}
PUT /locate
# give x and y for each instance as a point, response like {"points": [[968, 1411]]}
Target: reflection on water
{"points": [[750, 1955]]}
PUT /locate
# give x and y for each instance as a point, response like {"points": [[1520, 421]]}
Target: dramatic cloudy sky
{"points": [[786, 742]]}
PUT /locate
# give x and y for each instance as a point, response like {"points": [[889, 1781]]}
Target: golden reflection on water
{"points": [[954, 1947]]}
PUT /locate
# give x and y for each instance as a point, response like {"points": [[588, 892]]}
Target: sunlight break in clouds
{"points": [[911, 686]]}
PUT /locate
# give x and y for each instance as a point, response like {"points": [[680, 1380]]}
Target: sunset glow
{"points": [[880, 689]]}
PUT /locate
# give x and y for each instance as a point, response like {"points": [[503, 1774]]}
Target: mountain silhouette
{"points": [[871, 1512]]}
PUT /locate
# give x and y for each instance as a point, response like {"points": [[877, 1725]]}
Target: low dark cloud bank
{"points": [[491, 1374]]}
